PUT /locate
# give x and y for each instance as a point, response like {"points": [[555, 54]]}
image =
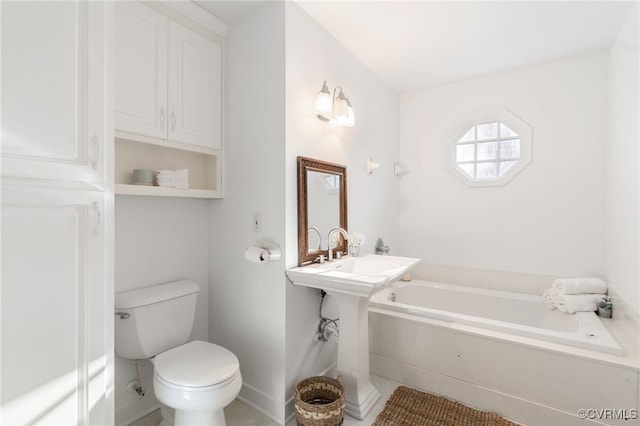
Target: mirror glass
{"points": [[322, 206]]}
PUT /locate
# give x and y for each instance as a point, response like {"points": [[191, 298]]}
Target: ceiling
{"points": [[229, 10], [412, 45]]}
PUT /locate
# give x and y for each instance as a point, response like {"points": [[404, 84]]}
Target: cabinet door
{"points": [[53, 89], [140, 70], [195, 88], [56, 318]]}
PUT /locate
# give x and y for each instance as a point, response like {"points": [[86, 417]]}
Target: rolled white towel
{"points": [[173, 178], [572, 303], [579, 286], [549, 297]]}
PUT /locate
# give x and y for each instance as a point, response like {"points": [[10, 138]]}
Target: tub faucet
{"points": [[346, 239], [381, 248]]}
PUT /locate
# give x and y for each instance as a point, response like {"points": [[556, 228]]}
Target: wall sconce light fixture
{"points": [[371, 166], [400, 169], [337, 107]]}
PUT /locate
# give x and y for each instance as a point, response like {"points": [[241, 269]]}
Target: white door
{"points": [[52, 89], [55, 359], [195, 88], [140, 70], [56, 308]]}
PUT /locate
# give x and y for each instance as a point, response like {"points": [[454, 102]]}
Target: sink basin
{"points": [[353, 280], [359, 276]]}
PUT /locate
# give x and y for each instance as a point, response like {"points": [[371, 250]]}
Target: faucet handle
{"points": [[381, 248]]}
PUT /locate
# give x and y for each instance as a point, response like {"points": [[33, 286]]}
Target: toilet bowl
{"points": [[197, 380]]}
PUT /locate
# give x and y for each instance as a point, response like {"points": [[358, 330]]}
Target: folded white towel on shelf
{"points": [[549, 298], [579, 286], [173, 178], [572, 303]]}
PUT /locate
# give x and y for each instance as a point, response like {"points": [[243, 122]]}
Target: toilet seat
{"points": [[196, 364]]}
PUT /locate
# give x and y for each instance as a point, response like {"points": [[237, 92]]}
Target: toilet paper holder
{"points": [[263, 251]]}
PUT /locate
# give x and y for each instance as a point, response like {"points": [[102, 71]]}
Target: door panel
{"points": [[52, 80], [195, 88], [52, 303], [141, 70]]}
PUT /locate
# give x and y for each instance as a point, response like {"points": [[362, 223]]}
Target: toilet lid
{"points": [[197, 364]]}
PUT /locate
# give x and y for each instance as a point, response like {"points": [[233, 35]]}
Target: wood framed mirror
{"points": [[322, 206]]}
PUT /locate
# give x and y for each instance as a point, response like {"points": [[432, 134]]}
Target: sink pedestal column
{"points": [[353, 355]]}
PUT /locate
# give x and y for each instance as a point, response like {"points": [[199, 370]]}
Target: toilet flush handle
{"points": [[123, 315]]}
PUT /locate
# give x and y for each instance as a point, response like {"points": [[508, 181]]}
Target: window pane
{"points": [[333, 181], [487, 171], [469, 169], [506, 132], [510, 148], [487, 131], [487, 150], [464, 152], [490, 151], [506, 165], [468, 137]]}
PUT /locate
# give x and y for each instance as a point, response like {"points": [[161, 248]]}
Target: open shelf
{"points": [[157, 191], [203, 165]]}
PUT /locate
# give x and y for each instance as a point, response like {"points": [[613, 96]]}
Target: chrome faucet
{"points": [[346, 239], [381, 248]]}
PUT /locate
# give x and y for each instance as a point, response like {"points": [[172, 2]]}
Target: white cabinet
{"points": [[195, 88], [141, 70], [168, 97], [53, 90], [168, 79], [56, 296], [55, 340]]}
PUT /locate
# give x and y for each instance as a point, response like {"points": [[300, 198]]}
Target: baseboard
{"points": [[262, 402], [514, 408], [131, 415]]}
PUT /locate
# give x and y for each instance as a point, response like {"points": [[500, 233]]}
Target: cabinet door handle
{"points": [[96, 219], [94, 152], [173, 121], [162, 118]]}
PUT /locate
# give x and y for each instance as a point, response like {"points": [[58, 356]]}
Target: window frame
{"points": [[513, 122]]}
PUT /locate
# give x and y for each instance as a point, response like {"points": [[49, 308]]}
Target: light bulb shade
{"points": [[342, 110], [322, 107], [351, 120]]}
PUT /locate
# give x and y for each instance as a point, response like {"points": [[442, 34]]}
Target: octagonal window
{"points": [[492, 151]]}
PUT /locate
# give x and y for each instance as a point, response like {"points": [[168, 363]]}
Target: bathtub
{"points": [[501, 351], [515, 313]]}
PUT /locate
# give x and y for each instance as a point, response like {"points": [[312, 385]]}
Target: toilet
{"points": [[194, 381]]}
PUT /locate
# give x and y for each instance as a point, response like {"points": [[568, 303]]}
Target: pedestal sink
{"points": [[353, 280]]}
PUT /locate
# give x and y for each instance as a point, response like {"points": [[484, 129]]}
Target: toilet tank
{"points": [[154, 319]]}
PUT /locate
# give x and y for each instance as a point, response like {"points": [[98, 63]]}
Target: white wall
{"points": [[247, 300], [254, 311], [157, 240], [622, 158], [312, 56], [550, 218]]}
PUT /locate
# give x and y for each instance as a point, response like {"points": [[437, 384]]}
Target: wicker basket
{"points": [[319, 402]]}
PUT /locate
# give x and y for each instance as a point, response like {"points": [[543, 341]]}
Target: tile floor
{"points": [[239, 413]]}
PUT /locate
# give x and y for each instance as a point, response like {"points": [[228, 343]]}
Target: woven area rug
{"points": [[410, 407]]}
